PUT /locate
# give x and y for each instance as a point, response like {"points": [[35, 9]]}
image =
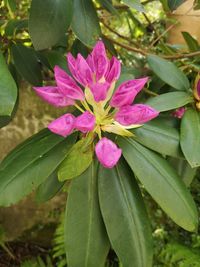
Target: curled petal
{"points": [[99, 91], [136, 114], [126, 92], [63, 126], [53, 96], [85, 122], [107, 152], [67, 85], [100, 60], [113, 71], [179, 113]]}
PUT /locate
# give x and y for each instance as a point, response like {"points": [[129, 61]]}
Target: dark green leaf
{"points": [[158, 136], [107, 4], [190, 137], [8, 92], [27, 166], [77, 161], [79, 47], [14, 26], [86, 239], [162, 183], [191, 42], [134, 4], [49, 21], [85, 23], [56, 58], [49, 188], [174, 4], [125, 216], [26, 62], [168, 72], [170, 101]]}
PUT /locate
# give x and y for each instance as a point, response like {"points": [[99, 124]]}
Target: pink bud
{"points": [[99, 91], [114, 70], [67, 85], [136, 114], [107, 152], [63, 126], [126, 92], [178, 113], [53, 96], [85, 122]]}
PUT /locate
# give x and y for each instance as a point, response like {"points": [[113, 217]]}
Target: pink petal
{"points": [[85, 122], [179, 112], [52, 95], [100, 60], [136, 114], [63, 126], [99, 91], [127, 91], [107, 152], [198, 88], [67, 85], [114, 70]]}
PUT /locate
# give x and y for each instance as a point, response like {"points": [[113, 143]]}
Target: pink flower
{"points": [[85, 122], [197, 87], [113, 71], [99, 91], [53, 96], [127, 91], [136, 114], [63, 126], [178, 113], [107, 152], [67, 85]]}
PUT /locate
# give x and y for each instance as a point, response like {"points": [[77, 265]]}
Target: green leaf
{"points": [[26, 62], [27, 166], [107, 4], [134, 4], [125, 216], [49, 188], [86, 240], [191, 42], [158, 136], [77, 161], [168, 72], [162, 183], [49, 21], [85, 23], [14, 26], [56, 58], [8, 92], [170, 101], [190, 137], [174, 4]]}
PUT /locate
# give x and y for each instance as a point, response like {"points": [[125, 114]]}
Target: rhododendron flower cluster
{"points": [[103, 108]]}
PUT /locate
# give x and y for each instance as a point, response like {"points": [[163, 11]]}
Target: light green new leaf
{"points": [[85, 23], [26, 63], [86, 240], [168, 72], [27, 166], [125, 216], [159, 136], [76, 162], [8, 92], [49, 21], [190, 137], [162, 183], [170, 101]]}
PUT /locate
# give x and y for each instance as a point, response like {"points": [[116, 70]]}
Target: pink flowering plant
{"points": [[104, 108]]}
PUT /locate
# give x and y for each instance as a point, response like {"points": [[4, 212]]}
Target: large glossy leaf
{"points": [[8, 92], [158, 136], [170, 101], [134, 4], [77, 161], [125, 216], [190, 137], [86, 239], [48, 22], [26, 62], [49, 188], [30, 164], [85, 22], [168, 72], [162, 183]]}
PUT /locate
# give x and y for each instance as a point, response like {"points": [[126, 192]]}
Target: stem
{"points": [[79, 108]]}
